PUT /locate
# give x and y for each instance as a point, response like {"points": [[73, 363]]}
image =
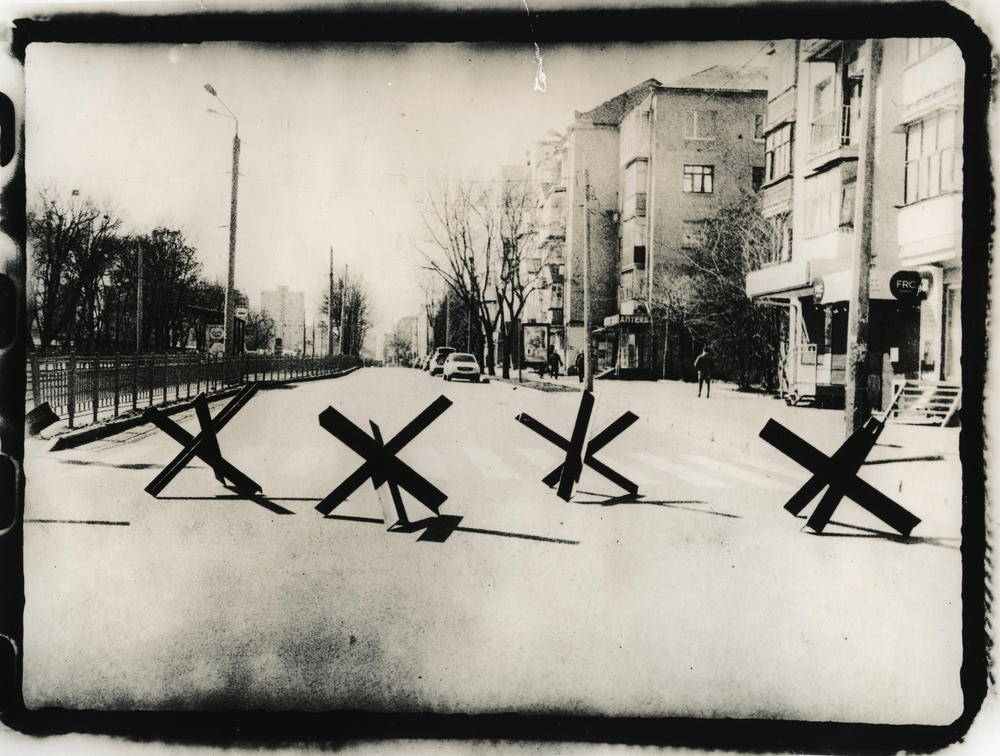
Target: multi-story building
{"points": [[288, 311], [545, 265], [814, 131], [685, 150], [631, 180]]}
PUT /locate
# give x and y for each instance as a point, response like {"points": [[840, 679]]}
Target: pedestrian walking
{"points": [[704, 363], [555, 361], [579, 365]]}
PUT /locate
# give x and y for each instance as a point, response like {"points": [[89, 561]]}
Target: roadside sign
{"points": [[905, 284]]}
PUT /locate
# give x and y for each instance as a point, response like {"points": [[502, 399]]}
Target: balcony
{"points": [[776, 198], [930, 231], [830, 139], [781, 109]]}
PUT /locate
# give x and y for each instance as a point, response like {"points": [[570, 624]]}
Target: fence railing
{"points": [[85, 389]]}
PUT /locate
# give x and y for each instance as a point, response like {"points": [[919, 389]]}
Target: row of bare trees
{"points": [[482, 243], [84, 281]]}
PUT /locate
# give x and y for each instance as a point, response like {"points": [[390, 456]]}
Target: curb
{"points": [[72, 439], [535, 384]]}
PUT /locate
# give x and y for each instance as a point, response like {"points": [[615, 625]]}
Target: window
{"points": [[692, 234], [639, 256], [756, 177], [701, 124], [699, 178], [930, 157], [823, 203], [635, 189], [919, 47], [758, 126], [849, 183], [778, 153]]}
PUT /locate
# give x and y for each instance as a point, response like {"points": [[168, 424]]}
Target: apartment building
{"points": [[815, 123], [545, 266], [288, 311], [685, 150]]}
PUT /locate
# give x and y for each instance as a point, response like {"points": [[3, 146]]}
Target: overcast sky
{"points": [[339, 142]]}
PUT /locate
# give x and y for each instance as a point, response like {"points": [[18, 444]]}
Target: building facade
{"points": [[685, 151], [815, 127], [288, 311]]}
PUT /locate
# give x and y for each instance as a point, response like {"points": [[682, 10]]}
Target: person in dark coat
{"points": [[704, 363], [579, 365], [554, 362]]}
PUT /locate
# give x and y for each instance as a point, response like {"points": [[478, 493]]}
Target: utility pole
{"points": [[329, 310], [230, 314], [138, 302], [343, 297], [229, 308], [858, 404], [447, 319], [588, 357]]}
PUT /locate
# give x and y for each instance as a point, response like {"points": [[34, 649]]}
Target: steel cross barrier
{"points": [[205, 445], [568, 473], [381, 464], [839, 472]]}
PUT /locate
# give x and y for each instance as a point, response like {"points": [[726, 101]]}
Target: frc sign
{"points": [[905, 284]]}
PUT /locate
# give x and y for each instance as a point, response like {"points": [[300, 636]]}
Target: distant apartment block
{"points": [[288, 311]]}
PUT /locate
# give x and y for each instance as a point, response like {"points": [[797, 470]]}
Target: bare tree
{"points": [[745, 334], [461, 223], [350, 298], [520, 261], [258, 331], [70, 246]]}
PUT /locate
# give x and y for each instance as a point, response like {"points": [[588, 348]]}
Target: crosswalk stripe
{"points": [[735, 472], [791, 471], [540, 458], [489, 464], [677, 470]]}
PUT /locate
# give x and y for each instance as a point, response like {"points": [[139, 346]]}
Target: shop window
{"points": [[699, 179]]}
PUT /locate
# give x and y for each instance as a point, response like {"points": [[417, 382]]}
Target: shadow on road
{"points": [[928, 458], [124, 466], [943, 542], [610, 501], [256, 499], [439, 529]]}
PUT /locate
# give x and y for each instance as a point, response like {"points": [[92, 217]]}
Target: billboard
{"points": [[536, 342]]}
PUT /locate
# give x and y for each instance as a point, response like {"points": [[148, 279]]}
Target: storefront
{"points": [[815, 364], [624, 344]]}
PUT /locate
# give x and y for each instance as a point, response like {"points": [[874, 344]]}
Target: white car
{"points": [[461, 365]]}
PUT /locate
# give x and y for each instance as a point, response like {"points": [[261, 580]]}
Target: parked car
{"points": [[438, 358], [461, 365]]}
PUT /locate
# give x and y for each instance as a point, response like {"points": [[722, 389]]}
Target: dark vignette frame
{"points": [[224, 723]]}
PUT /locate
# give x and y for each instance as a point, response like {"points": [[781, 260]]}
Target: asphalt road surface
{"points": [[701, 597]]}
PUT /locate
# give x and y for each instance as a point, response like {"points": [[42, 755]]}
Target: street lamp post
{"points": [[230, 306]]}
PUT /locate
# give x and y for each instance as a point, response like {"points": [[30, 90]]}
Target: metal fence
{"points": [[84, 389]]}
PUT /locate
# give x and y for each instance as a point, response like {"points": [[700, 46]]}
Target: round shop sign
{"points": [[905, 284]]}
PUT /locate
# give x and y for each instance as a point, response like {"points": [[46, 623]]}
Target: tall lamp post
{"points": [[230, 307]]}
